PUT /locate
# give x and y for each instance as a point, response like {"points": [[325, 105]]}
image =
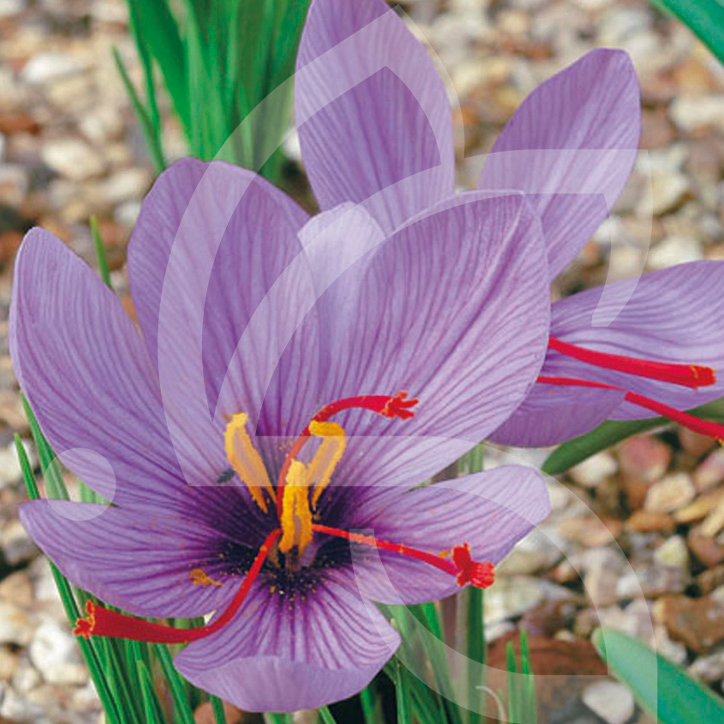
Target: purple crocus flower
{"points": [[281, 499], [640, 348]]}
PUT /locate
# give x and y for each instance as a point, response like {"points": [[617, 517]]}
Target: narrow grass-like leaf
{"points": [[218, 707], [160, 31], [528, 697], [101, 255], [183, 712], [153, 713], [660, 687], [611, 432], [514, 693], [704, 17], [326, 715], [70, 606], [476, 651], [368, 701], [144, 119], [404, 714]]}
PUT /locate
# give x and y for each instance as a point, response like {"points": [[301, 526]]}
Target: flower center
{"points": [[693, 376], [297, 495]]}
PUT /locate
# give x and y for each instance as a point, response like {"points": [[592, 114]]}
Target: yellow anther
{"points": [[296, 514], [246, 461], [199, 577], [325, 460]]}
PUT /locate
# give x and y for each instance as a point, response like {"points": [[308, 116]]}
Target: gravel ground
{"points": [[635, 540]]}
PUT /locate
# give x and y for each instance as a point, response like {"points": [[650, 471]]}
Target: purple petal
{"points": [[85, 371], [138, 562], [211, 242], [453, 308], [374, 120], [673, 315], [571, 145], [551, 415], [284, 653], [490, 511]]}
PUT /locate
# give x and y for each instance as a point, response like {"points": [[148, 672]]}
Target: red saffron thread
{"points": [[693, 376], [703, 427], [102, 621], [386, 405]]}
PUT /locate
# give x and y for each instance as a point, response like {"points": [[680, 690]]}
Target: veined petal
{"points": [[452, 308], [289, 652], [551, 415], [571, 146], [490, 511], [85, 371], [672, 315], [217, 273], [374, 120], [142, 562]]}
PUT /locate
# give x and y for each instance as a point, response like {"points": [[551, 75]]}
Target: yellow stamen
{"points": [[331, 449], [246, 461], [296, 514], [199, 577]]}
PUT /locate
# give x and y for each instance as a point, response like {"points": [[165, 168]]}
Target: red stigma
{"points": [[386, 405], [477, 574], [693, 376]]}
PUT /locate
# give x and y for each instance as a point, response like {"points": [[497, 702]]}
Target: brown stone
{"points": [[205, 714], [710, 579], [699, 508], [647, 521], [694, 443], [711, 472], [644, 458], [696, 622], [707, 550]]}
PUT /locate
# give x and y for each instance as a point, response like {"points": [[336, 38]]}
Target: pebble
{"points": [[594, 470], [45, 68], [11, 8], [697, 113], [698, 623], [55, 654], [10, 472], [613, 702], [537, 552], [674, 553], [16, 626], [17, 546], [711, 471], [646, 521], [670, 494], [644, 457], [72, 159], [674, 250], [708, 669]]}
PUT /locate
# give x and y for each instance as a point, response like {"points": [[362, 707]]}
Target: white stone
{"points": [[670, 494], [15, 625], [613, 702], [708, 668], [674, 250], [673, 553], [54, 653], [47, 67], [72, 158], [17, 546], [10, 8], [693, 114], [594, 470]]}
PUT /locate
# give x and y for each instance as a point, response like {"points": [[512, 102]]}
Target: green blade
{"points": [[611, 432], [659, 686], [703, 17]]}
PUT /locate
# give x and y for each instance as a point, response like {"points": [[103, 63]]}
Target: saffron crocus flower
{"points": [[284, 503], [643, 348]]}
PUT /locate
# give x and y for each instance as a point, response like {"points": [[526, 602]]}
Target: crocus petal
{"points": [[671, 315], [490, 511], [571, 145], [453, 308], [286, 652], [138, 562], [551, 415], [374, 120], [210, 243], [84, 369]]}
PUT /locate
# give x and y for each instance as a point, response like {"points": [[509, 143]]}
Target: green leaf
{"points": [[100, 252], [611, 432], [404, 713], [218, 707], [157, 26], [704, 17], [182, 709], [530, 707], [326, 715], [476, 651], [151, 706], [514, 694], [659, 686]]}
